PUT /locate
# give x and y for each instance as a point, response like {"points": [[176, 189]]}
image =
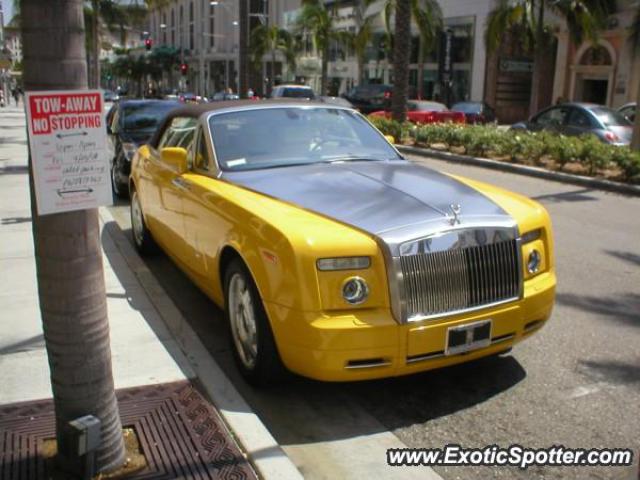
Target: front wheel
{"points": [[142, 239], [253, 345], [119, 188]]}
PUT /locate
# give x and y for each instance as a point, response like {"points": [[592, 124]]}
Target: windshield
{"points": [[467, 107], [426, 107], [610, 118], [294, 92], [144, 116], [275, 137]]}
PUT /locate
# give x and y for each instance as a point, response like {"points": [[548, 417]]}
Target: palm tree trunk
{"points": [[538, 60], [401, 60], [635, 140], [68, 253], [325, 69], [421, 55], [360, 71], [243, 46], [272, 77]]}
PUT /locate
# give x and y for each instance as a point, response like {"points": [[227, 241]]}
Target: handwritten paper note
{"points": [[67, 136]]}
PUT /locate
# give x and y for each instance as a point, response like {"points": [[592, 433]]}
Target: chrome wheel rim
{"points": [[243, 320], [137, 223]]}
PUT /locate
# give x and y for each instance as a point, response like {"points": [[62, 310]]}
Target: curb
{"points": [[524, 170], [263, 452]]}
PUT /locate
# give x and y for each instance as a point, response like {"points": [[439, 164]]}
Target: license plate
{"points": [[471, 336]]}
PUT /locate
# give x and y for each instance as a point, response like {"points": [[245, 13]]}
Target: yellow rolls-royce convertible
{"points": [[332, 256]]}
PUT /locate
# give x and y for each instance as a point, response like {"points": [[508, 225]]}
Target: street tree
{"points": [[525, 19], [269, 40], [427, 16], [401, 48], [318, 20], [243, 48], [68, 253], [361, 39]]}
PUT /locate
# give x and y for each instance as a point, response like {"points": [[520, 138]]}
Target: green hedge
{"points": [[539, 148]]}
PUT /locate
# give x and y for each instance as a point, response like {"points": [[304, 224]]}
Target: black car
{"points": [[475, 112], [575, 118], [131, 123], [370, 98]]}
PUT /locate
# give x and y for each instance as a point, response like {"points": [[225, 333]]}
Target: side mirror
{"points": [[176, 158], [390, 139]]}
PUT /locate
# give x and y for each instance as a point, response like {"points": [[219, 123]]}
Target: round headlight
{"points": [[533, 263], [355, 290]]}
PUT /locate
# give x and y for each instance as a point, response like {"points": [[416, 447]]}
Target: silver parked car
{"points": [[581, 118]]}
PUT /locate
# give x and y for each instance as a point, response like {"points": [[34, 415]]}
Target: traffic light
{"points": [[148, 43], [184, 69]]}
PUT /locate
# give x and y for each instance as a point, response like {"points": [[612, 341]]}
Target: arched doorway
{"points": [[592, 79]]}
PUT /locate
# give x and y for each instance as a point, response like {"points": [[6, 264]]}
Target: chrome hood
{"points": [[394, 201]]}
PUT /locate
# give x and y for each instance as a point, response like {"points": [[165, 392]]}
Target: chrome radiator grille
{"points": [[441, 282]]}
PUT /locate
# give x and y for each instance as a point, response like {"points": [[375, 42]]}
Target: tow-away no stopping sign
{"points": [[68, 140]]}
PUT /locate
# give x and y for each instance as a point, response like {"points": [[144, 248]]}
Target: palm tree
{"points": [[361, 39], [68, 253], [584, 20], [427, 15], [243, 47], [271, 40], [402, 46], [319, 21]]}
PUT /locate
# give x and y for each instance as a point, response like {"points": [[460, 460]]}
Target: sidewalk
{"points": [[144, 351]]}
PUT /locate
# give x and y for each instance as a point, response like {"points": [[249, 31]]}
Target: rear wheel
{"points": [[252, 341], [142, 239]]}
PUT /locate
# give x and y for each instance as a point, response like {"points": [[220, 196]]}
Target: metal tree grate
{"points": [[180, 434]]}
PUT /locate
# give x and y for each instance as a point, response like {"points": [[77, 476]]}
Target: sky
{"points": [[7, 8]]}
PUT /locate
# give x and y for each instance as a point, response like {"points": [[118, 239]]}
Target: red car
{"points": [[422, 111]]}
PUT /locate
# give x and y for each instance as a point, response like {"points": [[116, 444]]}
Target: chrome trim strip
{"points": [[439, 354], [420, 318], [382, 363]]}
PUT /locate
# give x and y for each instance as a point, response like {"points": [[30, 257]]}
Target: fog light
{"points": [[355, 290], [533, 263]]}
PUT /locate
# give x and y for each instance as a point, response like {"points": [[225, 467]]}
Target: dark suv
{"points": [[131, 123], [370, 98]]}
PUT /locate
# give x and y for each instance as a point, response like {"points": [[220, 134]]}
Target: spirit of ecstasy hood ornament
{"points": [[455, 209]]}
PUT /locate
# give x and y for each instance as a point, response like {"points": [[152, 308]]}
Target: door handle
{"points": [[181, 183]]}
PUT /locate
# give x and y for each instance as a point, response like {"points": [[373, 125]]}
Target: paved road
{"points": [[576, 383]]}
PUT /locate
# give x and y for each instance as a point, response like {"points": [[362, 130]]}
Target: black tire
{"points": [[120, 190], [268, 368], [142, 239]]}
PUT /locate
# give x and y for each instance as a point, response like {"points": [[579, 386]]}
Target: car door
{"points": [[202, 206], [553, 120], [163, 188], [579, 122]]}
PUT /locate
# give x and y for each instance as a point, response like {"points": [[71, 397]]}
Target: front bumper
{"points": [[367, 344]]}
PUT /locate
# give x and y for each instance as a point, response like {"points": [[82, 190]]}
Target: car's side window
{"points": [[578, 118], [552, 117], [115, 121], [179, 133], [629, 113], [201, 153]]}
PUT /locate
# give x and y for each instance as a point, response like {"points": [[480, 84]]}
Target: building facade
{"points": [[207, 35]]}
